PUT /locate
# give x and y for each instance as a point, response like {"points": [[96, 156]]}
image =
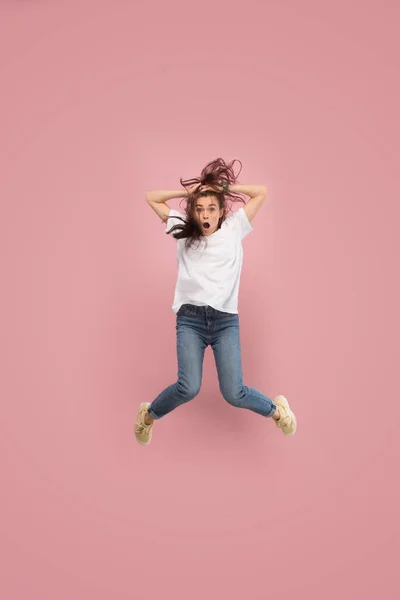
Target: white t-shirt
{"points": [[209, 274]]}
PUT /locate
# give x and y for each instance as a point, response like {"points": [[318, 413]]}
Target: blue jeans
{"points": [[198, 327]]}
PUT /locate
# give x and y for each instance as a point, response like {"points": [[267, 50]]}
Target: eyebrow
{"points": [[201, 206]]}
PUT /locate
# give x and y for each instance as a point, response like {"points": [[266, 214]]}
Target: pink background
{"points": [[100, 102]]}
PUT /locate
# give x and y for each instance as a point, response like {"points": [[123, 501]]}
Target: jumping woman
{"points": [[209, 256]]}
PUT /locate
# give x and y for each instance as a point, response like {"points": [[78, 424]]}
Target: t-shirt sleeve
{"points": [[241, 223], [171, 221]]}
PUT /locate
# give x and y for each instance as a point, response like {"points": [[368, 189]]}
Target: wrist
{"points": [[225, 185]]}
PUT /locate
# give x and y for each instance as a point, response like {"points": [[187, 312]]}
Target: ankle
{"points": [[148, 420], [277, 415]]}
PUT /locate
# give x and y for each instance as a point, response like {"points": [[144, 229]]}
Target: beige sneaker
{"points": [[142, 431], [287, 421]]}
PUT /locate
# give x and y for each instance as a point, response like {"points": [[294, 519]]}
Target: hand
{"points": [[216, 187], [223, 186], [206, 188], [199, 187], [194, 188]]}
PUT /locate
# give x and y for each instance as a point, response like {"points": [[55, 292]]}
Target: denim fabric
{"points": [[198, 327]]}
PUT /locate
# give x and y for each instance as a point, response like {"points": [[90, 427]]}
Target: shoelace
{"points": [[142, 428]]}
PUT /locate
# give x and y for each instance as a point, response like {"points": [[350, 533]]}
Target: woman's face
{"points": [[208, 213]]}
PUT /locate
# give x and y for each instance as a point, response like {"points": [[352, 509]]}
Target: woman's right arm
{"points": [[157, 202], [157, 199], [163, 196]]}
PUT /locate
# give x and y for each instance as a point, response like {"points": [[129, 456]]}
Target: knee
{"points": [[233, 397], [188, 389]]}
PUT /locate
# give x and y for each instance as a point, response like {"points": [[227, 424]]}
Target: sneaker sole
{"points": [[146, 404]]}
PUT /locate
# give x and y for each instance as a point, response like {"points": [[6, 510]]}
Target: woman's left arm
{"points": [[257, 194]]}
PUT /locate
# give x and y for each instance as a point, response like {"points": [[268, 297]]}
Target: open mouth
{"points": [[206, 225]]}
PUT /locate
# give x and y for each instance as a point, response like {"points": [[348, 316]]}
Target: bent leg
{"points": [[228, 360]]}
